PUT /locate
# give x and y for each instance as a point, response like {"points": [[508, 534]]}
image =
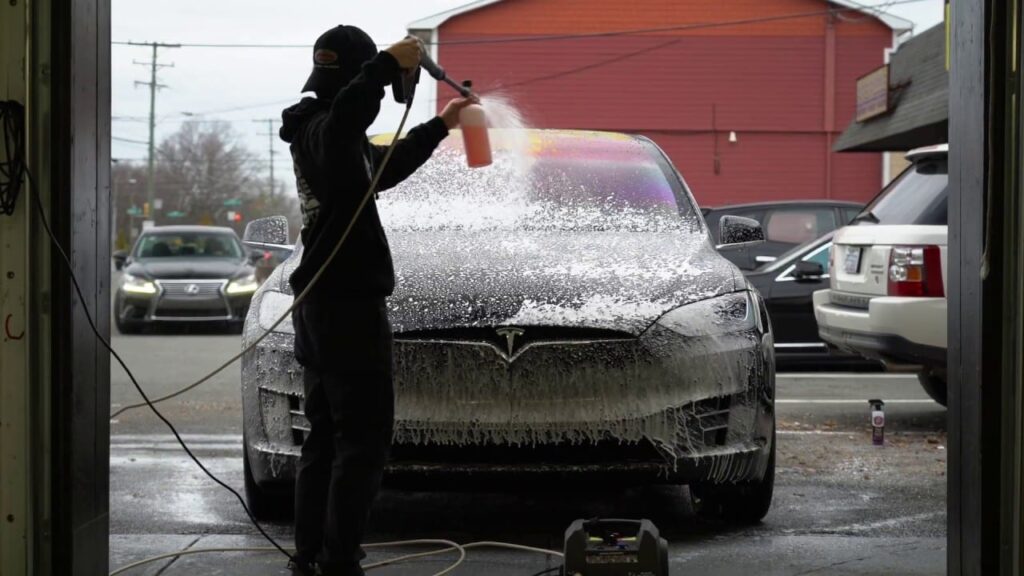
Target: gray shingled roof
{"points": [[921, 108]]}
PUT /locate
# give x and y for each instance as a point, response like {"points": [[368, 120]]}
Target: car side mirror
{"points": [[739, 230], [807, 271], [271, 231], [120, 258]]}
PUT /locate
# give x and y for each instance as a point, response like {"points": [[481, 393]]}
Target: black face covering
{"points": [[338, 55]]}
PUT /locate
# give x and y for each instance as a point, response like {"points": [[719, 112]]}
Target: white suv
{"points": [[887, 297]]}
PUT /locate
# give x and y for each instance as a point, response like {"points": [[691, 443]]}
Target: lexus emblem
{"points": [[510, 334], [192, 289]]}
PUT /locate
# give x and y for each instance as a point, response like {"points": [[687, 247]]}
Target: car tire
{"points": [[740, 503], [934, 384], [124, 327], [265, 503]]}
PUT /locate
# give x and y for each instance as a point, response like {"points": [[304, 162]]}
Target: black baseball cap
{"points": [[338, 56]]}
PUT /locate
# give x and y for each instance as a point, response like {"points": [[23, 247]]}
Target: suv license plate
{"points": [[852, 263]]}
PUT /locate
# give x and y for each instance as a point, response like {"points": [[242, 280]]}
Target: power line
{"points": [[240, 108], [130, 141], [636, 31], [594, 65], [222, 45], [680, 27]]}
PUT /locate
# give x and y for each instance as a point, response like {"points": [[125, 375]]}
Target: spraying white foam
{"points": [[507, 125]]}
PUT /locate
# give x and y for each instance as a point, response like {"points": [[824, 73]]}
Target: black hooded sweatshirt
{"points": [[334, 164]]}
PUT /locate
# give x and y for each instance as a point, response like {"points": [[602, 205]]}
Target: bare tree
{"points": [[203, 172]]}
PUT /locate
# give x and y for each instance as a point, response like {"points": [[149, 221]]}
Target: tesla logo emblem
{"points": [[192, 290], [510, 336]]}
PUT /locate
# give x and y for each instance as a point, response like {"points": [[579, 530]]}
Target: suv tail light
{"points": [[915, 271]]}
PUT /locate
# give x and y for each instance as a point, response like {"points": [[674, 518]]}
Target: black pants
{"points": [[346, 351]]}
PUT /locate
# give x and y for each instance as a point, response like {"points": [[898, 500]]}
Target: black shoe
{"points": [[302, 568]]}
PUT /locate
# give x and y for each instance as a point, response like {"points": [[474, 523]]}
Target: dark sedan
{"points": [[184, 274], [787, 224], [787, 286]]}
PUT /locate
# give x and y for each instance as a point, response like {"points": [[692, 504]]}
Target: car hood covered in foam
{"points": [[621, 281]]}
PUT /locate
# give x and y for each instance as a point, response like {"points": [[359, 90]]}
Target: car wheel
{"points": [[740, 503], [934, 384], [265, 503], [125, 328]]}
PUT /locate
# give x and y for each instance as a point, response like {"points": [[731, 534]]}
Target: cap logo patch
{"points": [[325, 57]]}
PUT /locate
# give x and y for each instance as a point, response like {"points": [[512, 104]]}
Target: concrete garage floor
{"points": [[842, 506]]}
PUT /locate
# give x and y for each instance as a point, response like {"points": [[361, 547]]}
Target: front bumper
{"points": [[183, 301], [439, 468], [890, 329], [651, 409]]}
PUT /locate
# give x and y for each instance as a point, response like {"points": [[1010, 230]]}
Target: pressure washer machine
{"points": [[615, 547]]}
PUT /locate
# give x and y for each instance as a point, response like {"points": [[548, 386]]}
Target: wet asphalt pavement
{"points": [[841, 505]]}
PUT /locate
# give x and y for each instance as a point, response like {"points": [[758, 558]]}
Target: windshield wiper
{"points": [[866, 216]]}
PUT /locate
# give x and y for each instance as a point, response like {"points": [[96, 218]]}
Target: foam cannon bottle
{"points": [[877, 422], [471, 118], [475, 138]]}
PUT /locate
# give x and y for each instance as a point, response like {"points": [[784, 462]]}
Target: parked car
{"points": [[786, 225], [887, 297], [787, 286], [570, 321], [184, 274]]}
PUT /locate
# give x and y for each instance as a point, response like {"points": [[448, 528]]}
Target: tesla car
{"points": [[184, 274], [563, 313]]}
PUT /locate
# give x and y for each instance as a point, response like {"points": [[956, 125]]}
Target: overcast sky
{"points": [[240, 85]]}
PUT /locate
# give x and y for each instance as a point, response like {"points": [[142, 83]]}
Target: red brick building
{"points": [[746, 96]]}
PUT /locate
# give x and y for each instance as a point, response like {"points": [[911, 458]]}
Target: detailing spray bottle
{"points": [[474, 134], [877, 422]]}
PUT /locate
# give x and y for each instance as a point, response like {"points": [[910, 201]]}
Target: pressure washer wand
{"points": [[462, 90], [438, 73]]}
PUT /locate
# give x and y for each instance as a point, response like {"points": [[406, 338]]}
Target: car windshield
{"points": [[188, 245], [917, 196], [788, 256], [556, 183]]}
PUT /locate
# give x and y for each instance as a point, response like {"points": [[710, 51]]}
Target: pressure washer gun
{"points": [[404, 87], [472, 119]]}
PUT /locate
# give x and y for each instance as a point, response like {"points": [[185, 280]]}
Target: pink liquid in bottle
{"points": [[474, 136]]}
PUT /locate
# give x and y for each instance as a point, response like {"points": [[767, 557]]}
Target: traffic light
{"points": [[238, 216]]}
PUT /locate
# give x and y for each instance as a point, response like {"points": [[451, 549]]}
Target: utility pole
{"points": [[154, 65], [271, 135]]}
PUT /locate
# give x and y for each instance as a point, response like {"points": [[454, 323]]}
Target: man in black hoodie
{"points": [[342, 333]]}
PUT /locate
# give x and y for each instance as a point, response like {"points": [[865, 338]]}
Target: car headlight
{"points": [[136, 285], [727, 314], [245, 285], [272, 306]]}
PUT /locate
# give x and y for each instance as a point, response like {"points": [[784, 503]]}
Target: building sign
{"points": [[873, 94]]}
